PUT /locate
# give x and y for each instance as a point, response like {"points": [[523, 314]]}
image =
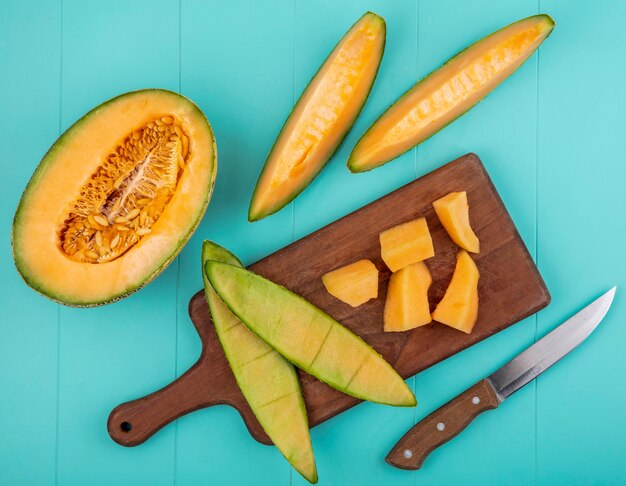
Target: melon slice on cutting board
{"points": [[459, 306], [268, 381], [406, 244], [308, 337], [407, 304], [353, 284], [453, 212]]}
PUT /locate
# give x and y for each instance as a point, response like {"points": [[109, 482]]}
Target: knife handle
{"points": [[442, 425]]}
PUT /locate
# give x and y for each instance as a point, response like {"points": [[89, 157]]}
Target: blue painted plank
{"points": [[581, 230], [237, 65], [29, 76], [350, 448], [502, 131], [336, 191], [244, 62], [124, 350]]}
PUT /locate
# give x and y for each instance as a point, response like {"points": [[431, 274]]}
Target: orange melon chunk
{"points": [[453, 212], [353, 284], [407, 305], [406, 244], [459, 306]]}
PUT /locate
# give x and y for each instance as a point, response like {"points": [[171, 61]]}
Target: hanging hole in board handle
{"points": [[126, 426]]}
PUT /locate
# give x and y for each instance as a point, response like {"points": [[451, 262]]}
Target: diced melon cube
{"points": [[407, 305], [459, 306], [353, 284], [453, 212], [406, 244]]}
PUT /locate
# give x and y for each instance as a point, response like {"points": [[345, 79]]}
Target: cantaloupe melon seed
{"points": [[125, 196]]}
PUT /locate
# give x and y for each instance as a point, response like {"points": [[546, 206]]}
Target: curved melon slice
{"points": [[448, 92], [459, 306], [115, 198], [267, 380], [308, 337], [453, 212], [321, 118]]}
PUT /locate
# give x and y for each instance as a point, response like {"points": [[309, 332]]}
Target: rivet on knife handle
{"points": [[442, 425]]}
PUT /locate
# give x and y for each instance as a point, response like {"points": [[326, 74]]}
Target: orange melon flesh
{"points": [[66, 170], [353, 284], [406, 244], [459, 306], [448, 92], [407, 304], [322, 117], [453, 212]]}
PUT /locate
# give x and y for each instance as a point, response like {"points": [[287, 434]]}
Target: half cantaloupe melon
{"points": [[322, 117], [448, 92], [308, 337], [115, 198], [267, 380]]}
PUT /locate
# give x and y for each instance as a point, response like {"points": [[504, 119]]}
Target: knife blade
{"points": [[453, 417]]}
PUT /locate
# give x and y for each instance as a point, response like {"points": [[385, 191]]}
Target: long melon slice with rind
{"points": [[322, 117], [268, 381], [449, 92], [308, 337]]}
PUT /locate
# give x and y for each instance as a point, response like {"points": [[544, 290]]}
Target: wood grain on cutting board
{"points": [[510, 288]]}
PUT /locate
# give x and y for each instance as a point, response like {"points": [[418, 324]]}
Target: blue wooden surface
{"points": [[551, 137]]}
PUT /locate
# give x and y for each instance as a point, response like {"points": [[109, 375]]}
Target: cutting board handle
{"points": [[208, 382], [134, 422]]}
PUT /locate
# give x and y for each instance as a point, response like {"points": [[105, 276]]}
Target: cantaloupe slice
{"points": [[407, 304], [353, 284], [453, 212], [448, 92], [406, 244], [459, 306], [308, 337], [322, 117], [268, 381]]}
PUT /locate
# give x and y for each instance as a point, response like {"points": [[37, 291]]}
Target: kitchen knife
{"points": [[450, 419]]}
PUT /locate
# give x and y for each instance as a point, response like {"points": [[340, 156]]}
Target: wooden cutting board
{"points": [[510, 289]]}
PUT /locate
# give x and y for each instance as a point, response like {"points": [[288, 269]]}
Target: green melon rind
{"points": [[404, 396], [258, 216], [353, 165], [223, 320], [51, 294]]}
